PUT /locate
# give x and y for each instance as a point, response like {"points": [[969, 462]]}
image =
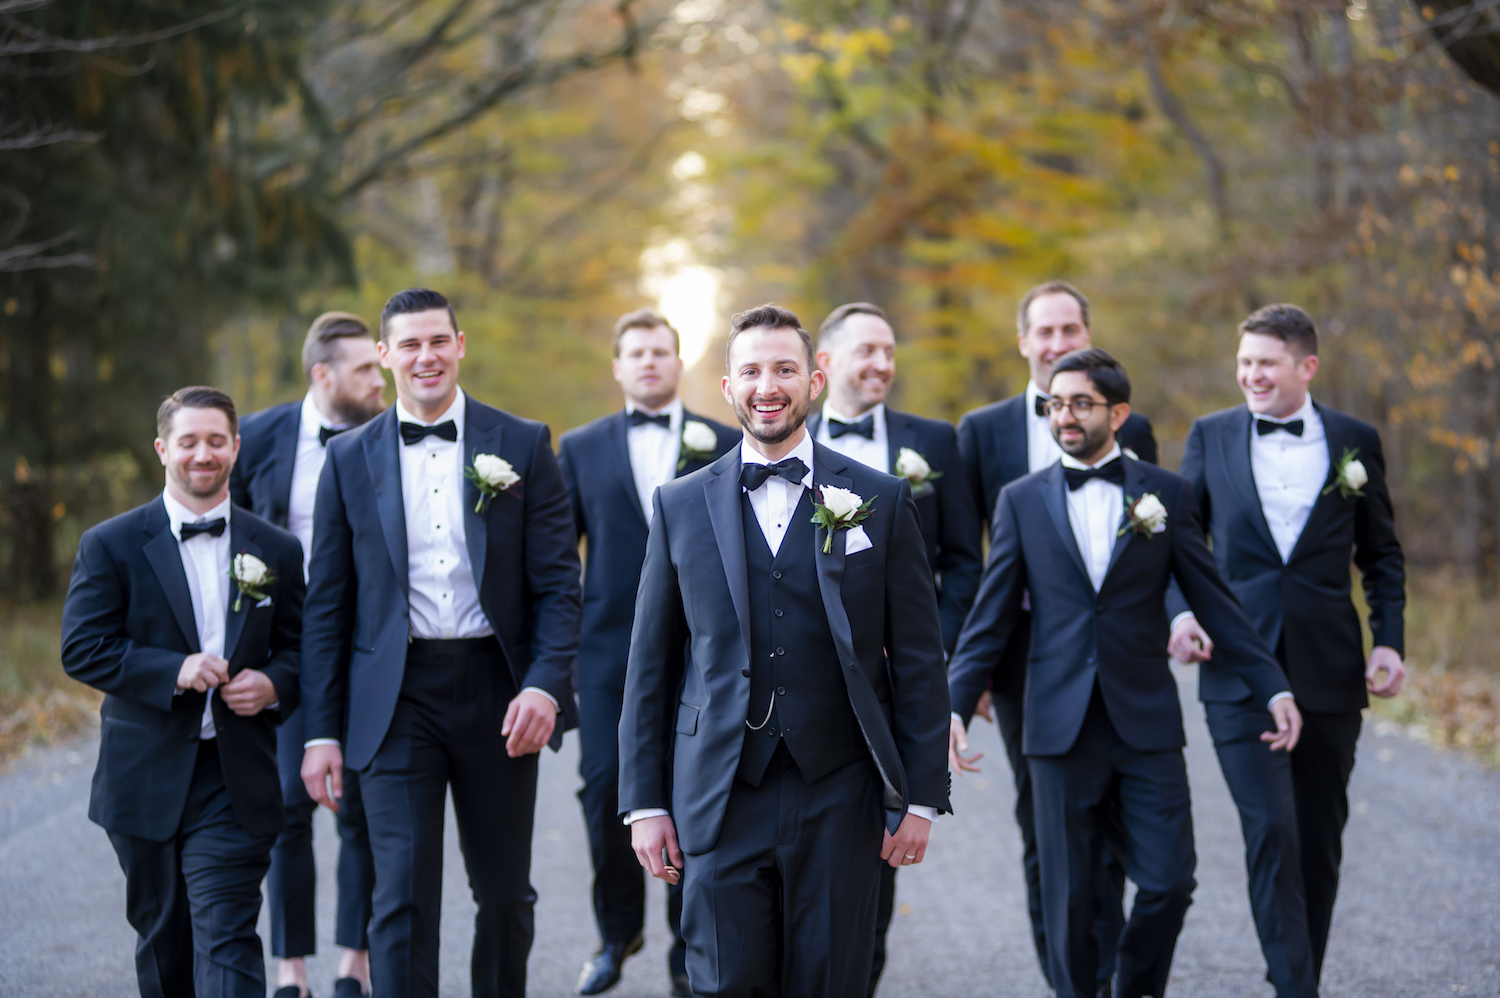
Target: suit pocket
{"points": [[687, 719]]}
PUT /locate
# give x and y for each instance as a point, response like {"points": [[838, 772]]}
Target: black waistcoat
{"points": [[794, 664]]}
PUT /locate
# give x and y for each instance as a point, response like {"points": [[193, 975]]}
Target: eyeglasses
{"points": [[1079, 407]]}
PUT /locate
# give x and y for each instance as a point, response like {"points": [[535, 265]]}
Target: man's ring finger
{"points": [[911, 855]]}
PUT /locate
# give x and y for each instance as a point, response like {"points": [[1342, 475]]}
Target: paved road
{"points": [[1419, 914]]}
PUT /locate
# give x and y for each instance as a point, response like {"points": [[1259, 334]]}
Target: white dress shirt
{"points": [[873, 453], [1041, 449], [773, 504], [1289, 472], [1094, 511], [205, 561], [306, 469], [654, 452]]}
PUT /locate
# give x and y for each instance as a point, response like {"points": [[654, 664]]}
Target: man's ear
{"points": [[1118, 413], [818, 381]]}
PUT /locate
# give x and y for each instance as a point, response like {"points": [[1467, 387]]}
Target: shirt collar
{"points": [[313, 418], [673, 409], [804, 450], [1071, 462], [829, 412], [178, 514], [455, 412], [1305, 413]]}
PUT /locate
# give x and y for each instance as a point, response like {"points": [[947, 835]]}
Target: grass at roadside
{"points": [[38, 702]]}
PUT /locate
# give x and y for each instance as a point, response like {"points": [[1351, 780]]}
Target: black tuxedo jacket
{"points": [[522, 550], [687, 690], [945, 510], [1116, 637], [127, 626], [607, 510], [1304, 602], [994, 442], [262, 476]]}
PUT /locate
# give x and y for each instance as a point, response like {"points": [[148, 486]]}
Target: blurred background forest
{"points": [[183, 185]]}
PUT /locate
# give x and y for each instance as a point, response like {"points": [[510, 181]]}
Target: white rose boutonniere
{"points": [[838, 509], [1349, 475], [699, 442], [492, 475], [251, 577], [1145, 515], [914, 468]]}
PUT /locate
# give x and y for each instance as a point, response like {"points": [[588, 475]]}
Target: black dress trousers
{"points": [[1321, 765], [446, 733], [195, 898]]}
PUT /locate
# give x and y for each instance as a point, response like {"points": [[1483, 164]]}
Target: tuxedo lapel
{"points": [[240, 542], [1014, 443], [722, 492], [1135, 486], [1056, 494], [166, 561], [284, 461], [899, 433], [619, 438], [383, 460], [1234, 447], [480, 437]]}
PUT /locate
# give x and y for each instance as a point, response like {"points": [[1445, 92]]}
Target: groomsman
{"points": [[857, 355], [185, 613], [443, 622], [281, 455], [1290, 490], [1094, 539], [1000, 443], [784, 703], [612, 466]]}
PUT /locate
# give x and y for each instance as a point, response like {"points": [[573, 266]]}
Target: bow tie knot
{"points": [[864, 427], [1110, 471], [753, 476], [214, 528], [414, 433], [639, 418], [327, 433], [1267, 426]]}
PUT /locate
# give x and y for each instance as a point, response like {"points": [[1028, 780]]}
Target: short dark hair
{"points": [[643, 318], [1288, 323], [768, 316], [1023, 324], [414, 300], [196, 397], [1107, 374], [838, 316], [321, 345]]}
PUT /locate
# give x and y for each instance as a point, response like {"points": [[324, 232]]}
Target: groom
{"points": [[444, 623], [1095, 539], [785, 707]]}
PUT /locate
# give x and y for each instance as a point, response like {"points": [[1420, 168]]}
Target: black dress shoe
{"points": [[680, 986], [602, 972], [348, 987], [290, 991]]}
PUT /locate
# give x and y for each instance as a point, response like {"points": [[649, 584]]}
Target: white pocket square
{"points": [[264, 602], [856, 540]]}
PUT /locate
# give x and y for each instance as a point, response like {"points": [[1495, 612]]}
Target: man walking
{"points": [[185, 614], [856, 351], [443, 620], [281, 456], [784, 703], [1094, 539], [1290, 490], [612, 467]]}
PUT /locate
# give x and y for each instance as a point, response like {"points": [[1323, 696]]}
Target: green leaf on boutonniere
{"points": [[252, 577], [839, 509], [1349, 475]]}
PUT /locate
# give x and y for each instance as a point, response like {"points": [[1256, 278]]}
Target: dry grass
{"points": [[38, 702]]}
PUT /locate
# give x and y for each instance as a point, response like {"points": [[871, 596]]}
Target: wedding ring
{"points": [[911, 855]]}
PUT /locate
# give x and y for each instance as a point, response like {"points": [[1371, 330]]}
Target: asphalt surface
{"points": [[1419, 912]]}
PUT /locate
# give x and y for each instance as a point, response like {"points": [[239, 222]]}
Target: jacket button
{"points": [[771, 732], [781, 651], [775, 575], [780, 614], [781, 691], [745, 673]]}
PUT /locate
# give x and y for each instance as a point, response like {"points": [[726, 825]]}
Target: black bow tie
{"points": [[1040, 405], [327, 433], [214, 528], [1265, 426], [753, 476], [412, 433], [662, 419], [864, 427], [1110, 471]]}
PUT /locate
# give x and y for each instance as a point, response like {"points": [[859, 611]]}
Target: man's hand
{"points": [[649, 837], [958, 744], [1190, 642], [202, 672], [1288, 725], [1387, 660], [983, 708], [909, 845], [323, 775], [248, 693], [529, 721]]}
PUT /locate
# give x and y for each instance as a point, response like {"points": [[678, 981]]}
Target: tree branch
{"points": [[1172, 109], [43, 43]]}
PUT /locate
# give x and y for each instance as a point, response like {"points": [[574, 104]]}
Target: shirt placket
{"points": [[440, 512]]}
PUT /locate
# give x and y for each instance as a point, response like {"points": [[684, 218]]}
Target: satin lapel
{"points": [[1056, 494], [1234, 448], [619, 439], [384, 463], [240, 542], [166, 561], [285, 460], [1015, 460], [1135, 485], [480, 439], [1325, 505], [722, 491], [899, 433]]}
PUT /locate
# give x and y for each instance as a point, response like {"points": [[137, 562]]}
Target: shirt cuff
{"points": [[1283, 695], [549, 696], [319, 741], [922, 811], [645, 812], [957, 718], [1184, 615]]}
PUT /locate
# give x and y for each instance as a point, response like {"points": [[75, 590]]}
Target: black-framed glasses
{"points": [[1079, 407]]}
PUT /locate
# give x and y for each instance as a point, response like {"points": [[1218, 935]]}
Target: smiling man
{"points": [[446, 625], [785, 710]]}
